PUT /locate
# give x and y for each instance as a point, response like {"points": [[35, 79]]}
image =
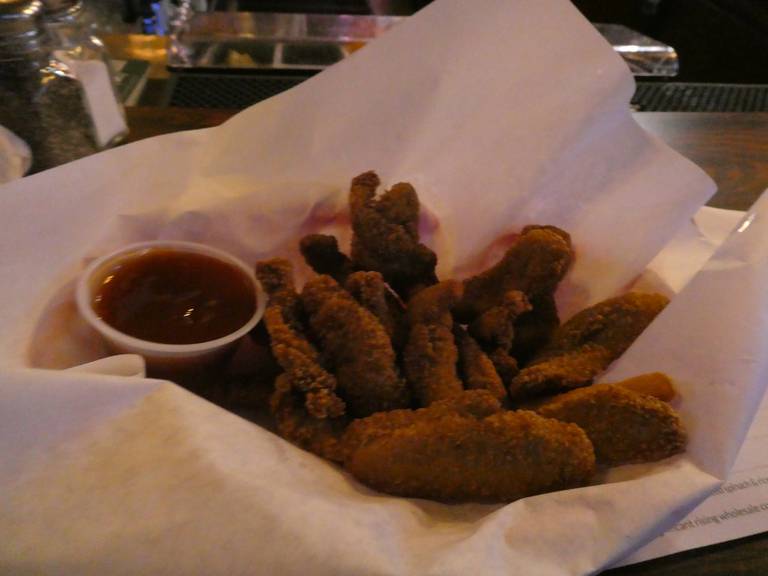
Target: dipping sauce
{"points": [[174, 297]]}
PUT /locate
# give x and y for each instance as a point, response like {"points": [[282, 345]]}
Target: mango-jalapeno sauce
{"points": [[173, 297]]}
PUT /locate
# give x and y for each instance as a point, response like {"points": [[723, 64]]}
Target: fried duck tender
{"points": [[321, 252], [430, 355], [301, 364], [470, 403], [655, 384], [293, 352], [586, 344], [479, 454], [624, 426], [321, 436], [276, 277], [475, 367], [495, 331], [370, 290], [534, 329], [356, 346], [386, 237], [495, 327], [534, 265], [505, 364]]}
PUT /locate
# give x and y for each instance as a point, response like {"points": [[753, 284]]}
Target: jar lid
{"points": [[20, 16]]}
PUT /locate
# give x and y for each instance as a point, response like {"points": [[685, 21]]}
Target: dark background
{"points": [[716, 40]]}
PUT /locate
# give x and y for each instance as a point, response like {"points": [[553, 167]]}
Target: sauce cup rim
{"points": [[84, 293]]}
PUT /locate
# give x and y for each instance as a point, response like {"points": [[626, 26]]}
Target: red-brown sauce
{"points": [[174, 297]]}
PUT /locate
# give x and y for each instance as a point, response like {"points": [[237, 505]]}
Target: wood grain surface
{"points": [[731, 147]]}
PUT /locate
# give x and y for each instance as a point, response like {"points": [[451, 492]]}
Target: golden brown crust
{"points": [[433, 305], [624, 427], [372, 293], [534, 265], [276, 277], [613, 323], [585, 345], [495, 328], [357, 346], [300, 361], [563, 372], [475, 367], [319, 436], [534, 329], [470, 403], [293, 352], [385, 234], [430, 355], [655, 384], [429, 364], [321, 252], [506, 367], [463, 446], [500, 458]]}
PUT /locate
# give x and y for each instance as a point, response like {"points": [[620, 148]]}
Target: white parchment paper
{"points": [[501, 114]]}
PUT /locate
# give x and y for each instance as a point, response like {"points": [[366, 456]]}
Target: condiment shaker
{"points": [[63, 107]]}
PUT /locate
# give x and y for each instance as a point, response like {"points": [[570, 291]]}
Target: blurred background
{"points": [[225, 55], [716, 40], [681, 44]]}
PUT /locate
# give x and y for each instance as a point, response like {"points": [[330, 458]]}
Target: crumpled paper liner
{"points": [[501, 115]]}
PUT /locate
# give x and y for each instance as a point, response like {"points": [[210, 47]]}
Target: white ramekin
{"points": [[164, 358]]}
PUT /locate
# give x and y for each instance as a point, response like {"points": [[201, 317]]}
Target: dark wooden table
{"points": [[733, 149]]}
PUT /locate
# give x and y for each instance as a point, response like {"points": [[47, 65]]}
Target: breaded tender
{"points": [[429, 363], [563, 372], [321, 252], [470, 403], [400, 205], [372, 293], [613, 323], [430, 355], [357, 346], [475, 367], [624, 426], [495, 328], [500, 458], [585, 345], [276, 277], [301, 363], [655, 384], [534, 265], [319, 436], [534, 329], [385, 235], [506, 367], [293, 352], [433, 305], [468, 351]]}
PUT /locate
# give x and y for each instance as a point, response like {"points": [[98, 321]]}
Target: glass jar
{"points": [[70, 34], [72, 42], [58, 106]]}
